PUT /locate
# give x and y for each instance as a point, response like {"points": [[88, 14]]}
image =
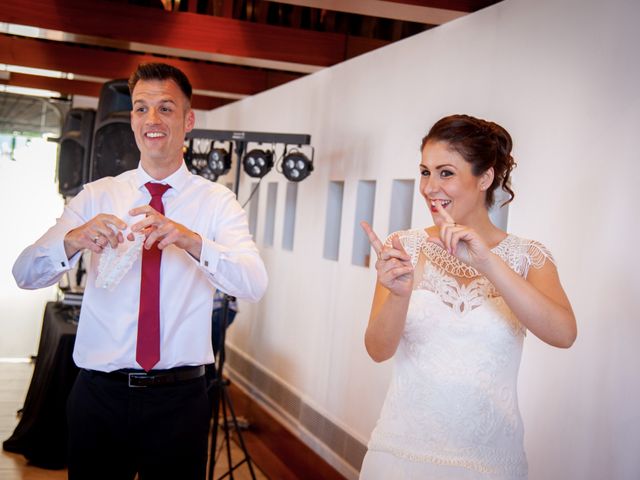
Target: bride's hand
{"points": [[394, 268], [461, 241]]}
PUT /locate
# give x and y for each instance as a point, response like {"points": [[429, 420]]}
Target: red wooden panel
{"points": [[458, 5], [62, 85], [358, 45], [181, 30], [92, 89], [117, 64], [208, 103]]}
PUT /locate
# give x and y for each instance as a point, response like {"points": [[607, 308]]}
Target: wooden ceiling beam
{"points": [[201, 102], [429, 12], [62, 85], [92, 89], [458, 5], [121, 24], [110, 64]]}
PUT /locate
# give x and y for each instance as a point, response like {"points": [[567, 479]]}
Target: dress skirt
{"points": [[379, 465]]}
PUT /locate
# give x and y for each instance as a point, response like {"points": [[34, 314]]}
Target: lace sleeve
{"points": [[411, 240], [538, 254], [521, 254]]}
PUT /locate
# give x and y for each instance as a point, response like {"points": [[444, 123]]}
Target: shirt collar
{"points": [[176, 180]]}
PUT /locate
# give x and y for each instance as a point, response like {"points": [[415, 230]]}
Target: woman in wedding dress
{"points": [[452, 305]]}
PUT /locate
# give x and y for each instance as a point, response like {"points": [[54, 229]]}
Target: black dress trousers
{"points": [[116, 431]]}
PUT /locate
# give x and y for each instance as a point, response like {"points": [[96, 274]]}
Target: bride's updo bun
{"points": [[481, 143]]}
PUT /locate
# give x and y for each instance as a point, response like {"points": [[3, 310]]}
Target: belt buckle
{"points": [[135, 375]]}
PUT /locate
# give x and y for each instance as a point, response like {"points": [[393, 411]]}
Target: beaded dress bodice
{"points": [[452, 398]]}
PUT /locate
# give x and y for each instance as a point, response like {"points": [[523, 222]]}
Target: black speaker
{"points": [[75, 150], [114, 146]]}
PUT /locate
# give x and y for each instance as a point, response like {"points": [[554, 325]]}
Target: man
{"points": [[140, 404]]}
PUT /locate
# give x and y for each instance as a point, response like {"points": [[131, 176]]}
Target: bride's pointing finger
{"points": [[373, 238]]}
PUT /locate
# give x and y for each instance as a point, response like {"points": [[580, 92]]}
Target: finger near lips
{"points": [[445, 215]]}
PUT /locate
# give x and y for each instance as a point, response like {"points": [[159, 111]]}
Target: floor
{"points": [[15, 378]]}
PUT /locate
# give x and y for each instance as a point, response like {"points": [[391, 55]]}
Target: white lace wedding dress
{"points": [[451, 411]]}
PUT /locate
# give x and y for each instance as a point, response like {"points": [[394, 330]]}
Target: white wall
{"points": [[562, 77], [29, 203]]}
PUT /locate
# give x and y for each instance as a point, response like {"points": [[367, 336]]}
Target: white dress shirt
{"points": [[229, 260]]}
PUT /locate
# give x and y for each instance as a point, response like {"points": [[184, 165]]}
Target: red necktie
{"points": [[148, 344]]}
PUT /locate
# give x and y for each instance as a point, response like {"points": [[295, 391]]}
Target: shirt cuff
{"points": [[209, 255], [60, 260]]}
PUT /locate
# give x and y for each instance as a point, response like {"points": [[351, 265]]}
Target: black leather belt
{"points": [[154, 378]]}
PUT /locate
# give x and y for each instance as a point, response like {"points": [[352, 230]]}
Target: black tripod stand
{"points": [[222, 401]]}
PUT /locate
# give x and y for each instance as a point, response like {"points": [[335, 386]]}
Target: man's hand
{"points": [[97, 233], [158, 228]]}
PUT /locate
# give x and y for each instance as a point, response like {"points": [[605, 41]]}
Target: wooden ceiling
{"points": [[229, 48]]}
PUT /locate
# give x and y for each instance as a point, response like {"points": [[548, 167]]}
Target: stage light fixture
{"points": [[219, 160], [296, 166], [207, 173], [199, 163], [258, 162], [187, 154]]}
